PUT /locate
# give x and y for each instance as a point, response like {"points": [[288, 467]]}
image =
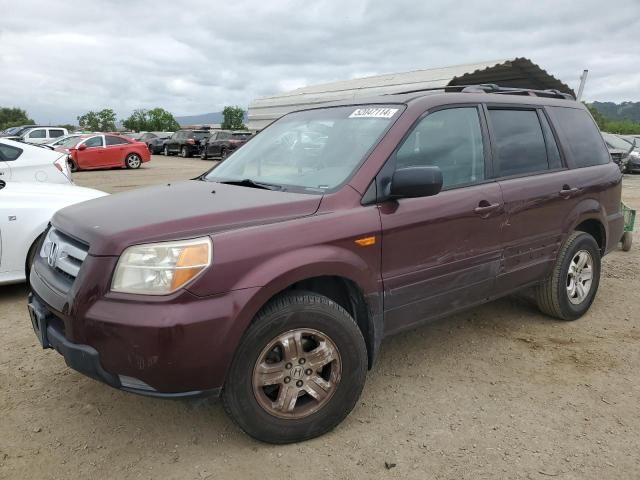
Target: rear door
{"points": [[442, 253], [55, 133], [538, 191], [116, 150]]}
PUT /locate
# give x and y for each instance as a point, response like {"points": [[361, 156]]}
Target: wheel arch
{"points": [[353, 289], [589, 216]]}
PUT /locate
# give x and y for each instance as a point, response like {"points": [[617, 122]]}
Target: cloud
{"points": [[198, 56]]}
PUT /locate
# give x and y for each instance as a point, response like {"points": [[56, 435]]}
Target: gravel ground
{"points": [[497, 392]]}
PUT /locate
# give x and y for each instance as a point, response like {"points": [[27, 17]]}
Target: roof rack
{"points": [[493, 88]]}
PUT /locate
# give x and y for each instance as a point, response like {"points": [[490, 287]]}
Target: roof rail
{"points": [[493, 88]]}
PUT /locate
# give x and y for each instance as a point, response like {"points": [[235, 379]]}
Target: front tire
{"points": [[166, 151], [299, 370], [569, 292], [184, 152], [627, 241]]}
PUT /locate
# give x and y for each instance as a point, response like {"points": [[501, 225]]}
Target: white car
{"points": [[25, 211], [20, 162], [41, 135]]}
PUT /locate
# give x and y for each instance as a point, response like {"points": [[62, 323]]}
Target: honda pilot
{"points": [[272, 279]]}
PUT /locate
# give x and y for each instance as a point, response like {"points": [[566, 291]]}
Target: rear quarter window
{"points": [[581, 136], [9, 153]]}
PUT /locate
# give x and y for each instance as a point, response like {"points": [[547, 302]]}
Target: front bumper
{"points": [[86, 359], [174, 346]]}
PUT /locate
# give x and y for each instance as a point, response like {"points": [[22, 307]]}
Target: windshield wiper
{"points": [[247, 182]]}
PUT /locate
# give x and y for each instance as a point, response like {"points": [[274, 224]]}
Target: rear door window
{"points": [[581, 135], [518, 142], [450, 139], [113, 140], [9, 153], [55, 133]]}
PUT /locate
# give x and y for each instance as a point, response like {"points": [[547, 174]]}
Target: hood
{"points": [[174, 211]]}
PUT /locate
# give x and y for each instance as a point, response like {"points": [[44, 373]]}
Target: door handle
{"points": [[568, 192], [484, 208]]}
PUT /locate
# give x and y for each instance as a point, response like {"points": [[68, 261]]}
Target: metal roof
{"points": [[518, 72]]}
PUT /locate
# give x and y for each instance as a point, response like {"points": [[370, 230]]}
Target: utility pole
{"points": [[583, 80]]}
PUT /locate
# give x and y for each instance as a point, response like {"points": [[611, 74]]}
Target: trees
{"points": [[12, 117], [102, 121], [233, 118], [154, 120], [606, 115]]}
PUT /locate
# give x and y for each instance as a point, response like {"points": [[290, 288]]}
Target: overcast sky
{"points": [[60, 59]]}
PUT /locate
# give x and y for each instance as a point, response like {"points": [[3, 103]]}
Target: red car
{"points": [[105, 151]]}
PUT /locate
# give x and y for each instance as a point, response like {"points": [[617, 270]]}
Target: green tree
{"points": [[102, 121], [154, 120], [137, 121], [12, 117], [598, 117], [233, 118]]}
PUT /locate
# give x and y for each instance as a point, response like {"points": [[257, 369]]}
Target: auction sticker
{"points": [[373, 113]]}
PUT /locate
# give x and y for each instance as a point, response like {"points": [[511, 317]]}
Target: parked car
{"points": [[90, 152], [154, 140], [64, 140], [16, 132], [21, 162], [155, 145], [25, 211], [633, 162], [41, 135], [221, 143], [272, 279], [185, 143], [619, 149]]}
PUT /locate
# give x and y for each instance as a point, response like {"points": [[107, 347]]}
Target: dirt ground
{"points": [[500, 391]]}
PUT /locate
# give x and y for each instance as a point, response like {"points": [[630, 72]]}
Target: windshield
{"points": [[70, 141], [313, 150], [616, 142]]}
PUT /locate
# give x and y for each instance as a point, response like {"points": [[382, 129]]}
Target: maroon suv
{"points": [[273, 278]]}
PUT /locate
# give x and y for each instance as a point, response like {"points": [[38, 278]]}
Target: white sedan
{"points": [[25, 212], [22, 162]]}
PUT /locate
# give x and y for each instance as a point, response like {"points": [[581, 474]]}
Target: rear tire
{"points": [[569, 292], [291, 408], [203, 154], [133, 161], [72, 166], [627, 241], [224, 153], [165, 151], [184, 152]]}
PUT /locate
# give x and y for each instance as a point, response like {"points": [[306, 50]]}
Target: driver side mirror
{"points": [[82, 147], [413, 182]]}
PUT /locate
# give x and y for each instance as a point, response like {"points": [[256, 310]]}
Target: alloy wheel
{"points": [[579, 277], [297, 373], [133, 161]]}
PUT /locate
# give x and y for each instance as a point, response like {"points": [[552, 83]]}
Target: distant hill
{"points": [[617, 112], [203, 119]]}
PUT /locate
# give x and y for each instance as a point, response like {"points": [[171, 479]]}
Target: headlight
{"points": [[161, 268]]}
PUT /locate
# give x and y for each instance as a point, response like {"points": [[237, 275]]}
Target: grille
{"points": [[63, 254]]}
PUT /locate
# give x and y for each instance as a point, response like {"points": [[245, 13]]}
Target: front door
{"points": [[94, 156], [442, 253]]}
